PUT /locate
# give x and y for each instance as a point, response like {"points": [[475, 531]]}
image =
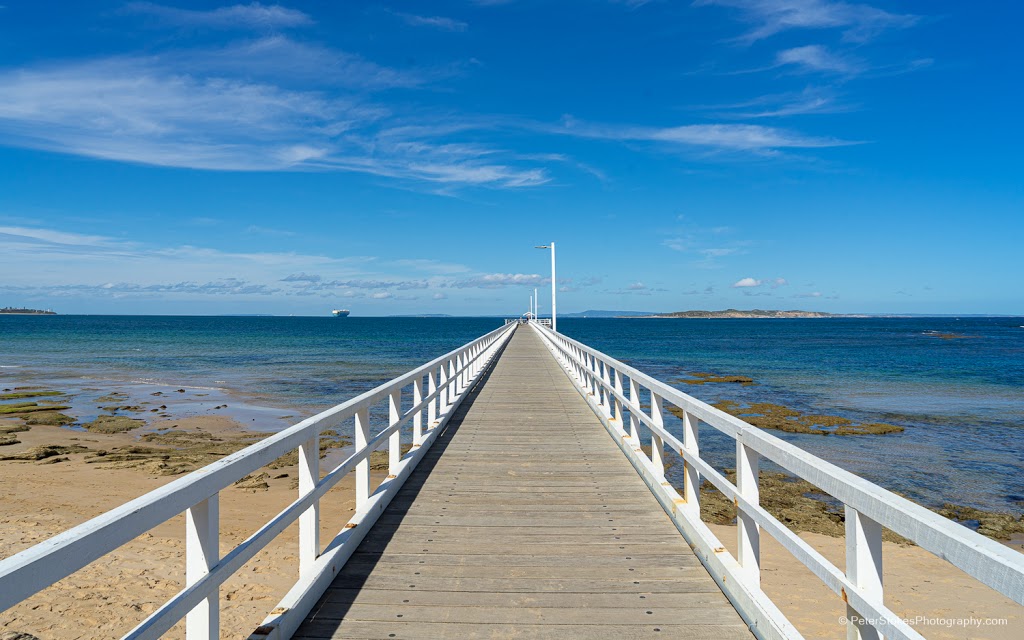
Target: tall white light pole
{"points": [[531, 308], [536, 300], [554, 286]]}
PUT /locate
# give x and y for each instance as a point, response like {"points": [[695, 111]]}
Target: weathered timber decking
{"points": [[524, 521]]}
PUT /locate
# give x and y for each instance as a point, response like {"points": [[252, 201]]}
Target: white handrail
{"points": [[449, 377], [868, 506]]}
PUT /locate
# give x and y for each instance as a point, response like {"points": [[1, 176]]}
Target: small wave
{"points": [[164, 383], [10, 366]]}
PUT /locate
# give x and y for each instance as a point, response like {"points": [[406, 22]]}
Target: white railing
{"points": [[448, 378], [614, 390]]}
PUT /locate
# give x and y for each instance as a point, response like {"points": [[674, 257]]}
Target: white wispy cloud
{"points": [[710, 244], [282, 59], [240, 16], [499, 280], [858, 22], [99, 266], [131, 110], [303, 277], [436, 22], [142, 110], [27, 256], [49, 236], [810, 100], [724, 137], [818, 58]]}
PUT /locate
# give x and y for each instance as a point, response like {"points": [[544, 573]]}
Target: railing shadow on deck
{"points": [[345, 588]]}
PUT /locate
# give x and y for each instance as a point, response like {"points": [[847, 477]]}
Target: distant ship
{"points": [[340, 313]]}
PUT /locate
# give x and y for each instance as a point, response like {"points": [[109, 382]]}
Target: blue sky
{"points": [[405, 157]]}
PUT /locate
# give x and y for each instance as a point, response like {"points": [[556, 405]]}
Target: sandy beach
{"points": [[93, 472], [928, 592], [107, 598]]}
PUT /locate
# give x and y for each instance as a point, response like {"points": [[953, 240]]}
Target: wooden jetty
{"points": [[524, 521]]}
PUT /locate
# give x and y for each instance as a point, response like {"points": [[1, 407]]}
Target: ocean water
{"points": [[301, 363], [960, 400]]}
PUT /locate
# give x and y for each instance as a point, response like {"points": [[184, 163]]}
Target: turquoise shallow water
{"points": [[961, 401]]}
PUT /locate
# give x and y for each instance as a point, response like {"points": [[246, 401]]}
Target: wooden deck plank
{"points": [[514, 560], [315, 630], [422, 597], [524, 521], [699, 584]]}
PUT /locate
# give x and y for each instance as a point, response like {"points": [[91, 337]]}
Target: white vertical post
{"points": [[536, 303], [417, 418], [442, 397], [202, 552], [554, 289], [863, 568], [747, 531], [309, 521], [452, 382], [606, 389], [432, 405], [634, 397], [593, 377], [442, 385], [395, 439], [691, 480], [456, 378], [657, 443], [363, 466], [618, 402]]}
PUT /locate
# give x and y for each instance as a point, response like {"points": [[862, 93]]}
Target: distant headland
{"points": [[737, 313], [18, 311]]}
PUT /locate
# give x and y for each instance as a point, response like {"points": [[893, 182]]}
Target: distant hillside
{"points": [[736, 313], [27, 312]]}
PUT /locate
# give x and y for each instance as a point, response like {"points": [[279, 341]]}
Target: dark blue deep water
{"points": [[960, 400]]}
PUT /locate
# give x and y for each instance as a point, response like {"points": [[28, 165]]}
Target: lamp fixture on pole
{"points": [[554, 321]]}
